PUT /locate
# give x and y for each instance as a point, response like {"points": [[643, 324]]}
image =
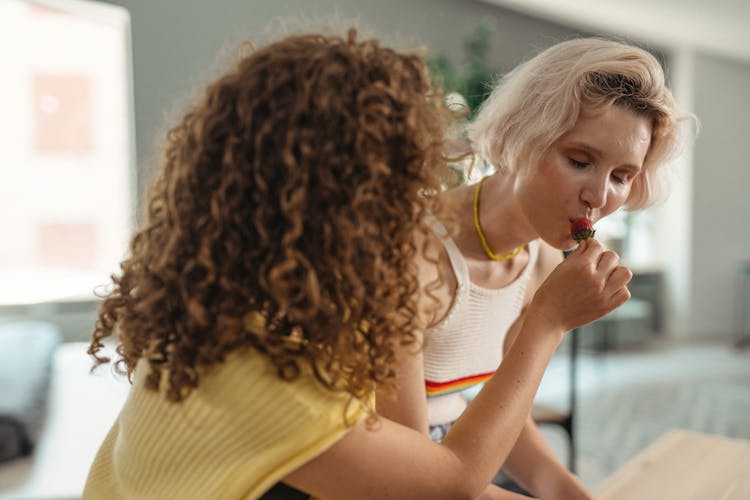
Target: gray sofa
{"points": [[26, 356]]}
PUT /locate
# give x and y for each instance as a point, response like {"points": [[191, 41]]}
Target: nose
{"points": [[594, 193]]}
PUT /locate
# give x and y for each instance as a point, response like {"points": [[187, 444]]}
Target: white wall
{"points": [[721, 191], [176, 45], [175, 51]]}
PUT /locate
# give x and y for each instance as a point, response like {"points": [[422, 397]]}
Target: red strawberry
{"points": [[581, 229]]}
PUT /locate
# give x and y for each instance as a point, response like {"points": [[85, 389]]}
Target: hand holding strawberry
{"points": [[586, 286]]}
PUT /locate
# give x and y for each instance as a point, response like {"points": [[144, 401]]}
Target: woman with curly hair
{"points": [[277, 274]]}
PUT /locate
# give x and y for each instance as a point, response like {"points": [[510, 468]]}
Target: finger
{"points": [[607, 261], [619, 277], [620, 296], [576, 253], [580, 248], [591, 249]]}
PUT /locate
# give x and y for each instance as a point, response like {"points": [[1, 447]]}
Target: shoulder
{"points": [[237, 387]]}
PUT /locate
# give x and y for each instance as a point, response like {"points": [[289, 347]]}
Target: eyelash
{"points": [[619, 180], [583, 164], [578, 164]]}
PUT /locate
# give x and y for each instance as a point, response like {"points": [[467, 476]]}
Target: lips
{"points": [[581, 229]]}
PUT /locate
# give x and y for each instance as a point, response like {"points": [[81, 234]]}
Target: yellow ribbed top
{"points": [[236, 435]]}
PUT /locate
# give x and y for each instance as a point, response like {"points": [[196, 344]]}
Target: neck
{"points": [[497, 205]]}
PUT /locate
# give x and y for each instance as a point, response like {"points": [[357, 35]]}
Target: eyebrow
{"points": [[588, 148]]}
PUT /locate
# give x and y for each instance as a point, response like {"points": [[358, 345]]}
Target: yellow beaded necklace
{"points": [[480, 233]]}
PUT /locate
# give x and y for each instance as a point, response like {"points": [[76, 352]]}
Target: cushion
{"points": [[26, 355]]}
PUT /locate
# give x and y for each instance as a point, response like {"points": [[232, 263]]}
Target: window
{"points": [[67, 157]]}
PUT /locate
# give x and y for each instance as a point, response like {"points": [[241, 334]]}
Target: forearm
{"points": [[533, 465], [501, 408]]}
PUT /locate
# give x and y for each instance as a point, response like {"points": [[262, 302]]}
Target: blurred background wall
{"points": [[698, 239]]}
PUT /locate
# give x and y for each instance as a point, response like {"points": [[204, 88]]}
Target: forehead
{"points": [[617, 133]]}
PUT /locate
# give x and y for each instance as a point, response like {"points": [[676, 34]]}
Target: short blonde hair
{"points": [[542, 99]]}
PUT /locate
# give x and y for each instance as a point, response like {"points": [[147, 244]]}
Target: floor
{"points": [[625, 401]]}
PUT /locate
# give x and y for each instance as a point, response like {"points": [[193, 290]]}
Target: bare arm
{"points": [[393, 461], [408, 404], [532, 463], [534, 466]]}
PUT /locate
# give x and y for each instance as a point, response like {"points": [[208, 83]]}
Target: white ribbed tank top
{"points": [[466, 346]]}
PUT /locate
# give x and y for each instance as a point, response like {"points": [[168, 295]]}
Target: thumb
{"points": [[582, 247]]}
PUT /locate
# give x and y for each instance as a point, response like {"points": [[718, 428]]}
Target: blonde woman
{"points": [[582, 129]]}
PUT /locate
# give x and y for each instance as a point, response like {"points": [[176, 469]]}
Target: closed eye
{"points": [[622, 178], [578, 164]]}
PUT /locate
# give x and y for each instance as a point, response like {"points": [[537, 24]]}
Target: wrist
{"points": [[539, 322]]}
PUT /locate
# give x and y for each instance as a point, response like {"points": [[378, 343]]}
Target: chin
{"points": [[567, 244], [563, 244]]}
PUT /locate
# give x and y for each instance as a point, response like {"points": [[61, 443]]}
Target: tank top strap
{"points": [[454, 254]]}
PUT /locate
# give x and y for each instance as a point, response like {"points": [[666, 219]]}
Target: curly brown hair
{"points": [[285, 217]]}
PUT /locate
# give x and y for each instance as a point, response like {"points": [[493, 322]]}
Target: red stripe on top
{"points": [[441, 388]]}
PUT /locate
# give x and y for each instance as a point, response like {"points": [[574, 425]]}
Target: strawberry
{"points": [[581, 229]]}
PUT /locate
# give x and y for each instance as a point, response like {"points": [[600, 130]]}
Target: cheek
{"points": [[616, 199], [553, 178]]}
